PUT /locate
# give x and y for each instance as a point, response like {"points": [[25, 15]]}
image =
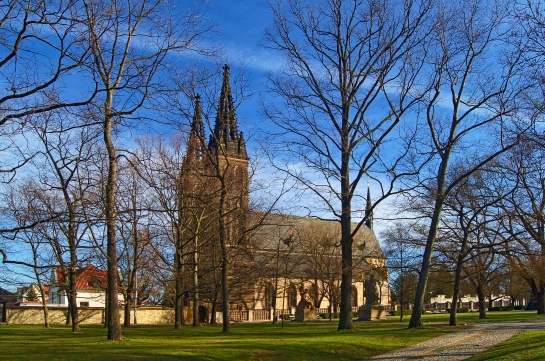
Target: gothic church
{"points": [[276, 261]]}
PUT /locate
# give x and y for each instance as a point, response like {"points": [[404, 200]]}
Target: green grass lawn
{"points": [[297, 341], [526, 346]]}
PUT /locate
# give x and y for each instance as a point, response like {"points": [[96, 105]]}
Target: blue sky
{"points": [[242, 25]]}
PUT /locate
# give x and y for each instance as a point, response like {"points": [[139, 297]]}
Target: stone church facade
{"points": [[277, 262]]}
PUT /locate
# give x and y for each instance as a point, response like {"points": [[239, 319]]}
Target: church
{"points": [[278, 263]]}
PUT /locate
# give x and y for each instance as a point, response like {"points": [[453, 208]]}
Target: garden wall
{"points": [[87, 315]]}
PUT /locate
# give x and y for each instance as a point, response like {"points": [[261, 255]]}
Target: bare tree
{"points": [[134, 214], [39, 58], [464, 220], [38, 55], [68, 148], [129, 43], [522, 220], [337, 107], [25, 208], [403, 246], [478, 86]]}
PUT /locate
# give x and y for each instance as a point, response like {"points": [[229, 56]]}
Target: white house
{"points": [[91, 284]]}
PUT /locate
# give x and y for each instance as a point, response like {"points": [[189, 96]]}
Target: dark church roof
{"points": [[280, 231], [294, 242]]}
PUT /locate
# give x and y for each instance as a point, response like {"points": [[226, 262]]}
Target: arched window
{"points": [[354, 302], [292, 296]]}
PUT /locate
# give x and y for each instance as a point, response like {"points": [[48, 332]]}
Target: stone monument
{"points": [[305, 309], [372, 310]]}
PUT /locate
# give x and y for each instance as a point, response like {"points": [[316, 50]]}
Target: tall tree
{"points": [[68, 145], [523, 218], [336, 109], [130, 42], [403, 246], [467, 73]]}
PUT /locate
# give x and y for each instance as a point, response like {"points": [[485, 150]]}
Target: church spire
{"points": [[226, 135], [368, 209], [195, 148]]}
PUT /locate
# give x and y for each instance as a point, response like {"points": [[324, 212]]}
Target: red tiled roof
{"points": [[87, 278]]}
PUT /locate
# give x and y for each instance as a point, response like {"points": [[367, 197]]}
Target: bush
{"points": [[286, 316]]}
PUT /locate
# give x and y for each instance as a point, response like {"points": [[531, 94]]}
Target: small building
{"points": [[91, 284], [31, 295]]}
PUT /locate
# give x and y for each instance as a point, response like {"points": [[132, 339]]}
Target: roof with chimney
{"points": [[88, 278]]}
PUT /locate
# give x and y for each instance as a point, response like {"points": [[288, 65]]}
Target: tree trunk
{"points": [[44, 303], [457, 279], [114, 325], [345, 316], [73, 287], [213, 319], [224, 260], [178, 303], [196, 321], [538, 289], [73, 309], [127, 310], [69, 312], [481, 300], [416, 317]]}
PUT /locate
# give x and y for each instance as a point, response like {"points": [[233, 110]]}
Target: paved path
{"points": [[463, 344]]}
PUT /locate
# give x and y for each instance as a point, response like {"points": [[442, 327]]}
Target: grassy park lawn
{"points": [[297, 341], [526, 346]]}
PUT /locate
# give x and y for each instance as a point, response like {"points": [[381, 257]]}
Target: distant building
{"points": [[91, 284], [31, 295]]}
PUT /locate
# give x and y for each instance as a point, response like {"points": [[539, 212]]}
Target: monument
{"points": [[372, 310], [305, 309]]}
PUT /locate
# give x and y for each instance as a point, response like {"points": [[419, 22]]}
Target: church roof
{"points": [[280, 232]]}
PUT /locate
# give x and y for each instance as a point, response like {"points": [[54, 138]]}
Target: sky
{"points": [[241, 25]]}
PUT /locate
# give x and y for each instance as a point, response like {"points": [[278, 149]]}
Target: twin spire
{"points": [[369, 209], [225, 137]]}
